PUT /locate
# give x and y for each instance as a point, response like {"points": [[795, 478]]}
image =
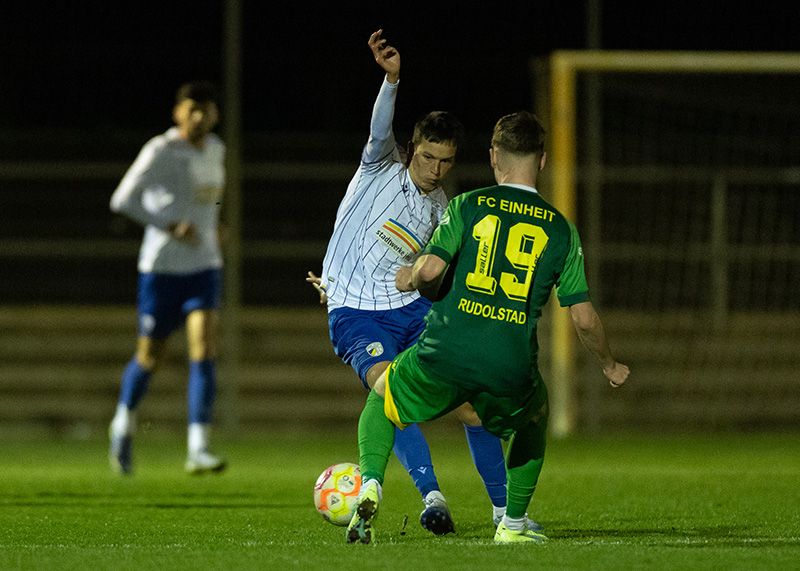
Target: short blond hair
{"points": [[519, 133]]}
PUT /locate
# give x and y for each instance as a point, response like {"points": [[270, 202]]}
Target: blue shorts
{"points": [[362, 338], [164, 300]]}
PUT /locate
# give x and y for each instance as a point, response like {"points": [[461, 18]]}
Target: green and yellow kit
{"points": [[507, 248]]}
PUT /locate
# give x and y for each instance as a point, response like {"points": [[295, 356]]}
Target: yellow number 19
{"points": [[526, 243]]}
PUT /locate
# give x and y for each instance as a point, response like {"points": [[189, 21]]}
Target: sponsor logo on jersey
{"points": [[375, 349], [399, 239], [207, 194]]}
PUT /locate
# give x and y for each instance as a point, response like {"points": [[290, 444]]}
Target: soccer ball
{"points": [[336, 492]]}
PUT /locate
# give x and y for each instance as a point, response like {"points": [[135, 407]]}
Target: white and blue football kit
{"points": [[173, 181], [382, 224]]}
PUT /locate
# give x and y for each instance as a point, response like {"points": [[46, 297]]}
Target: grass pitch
{"points": [[615, 502]]}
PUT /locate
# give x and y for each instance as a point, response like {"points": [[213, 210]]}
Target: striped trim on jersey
{"points": [[382, 224]]}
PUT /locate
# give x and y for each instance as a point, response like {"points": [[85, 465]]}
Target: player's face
{"points": [[430, 164], [195, 120]]}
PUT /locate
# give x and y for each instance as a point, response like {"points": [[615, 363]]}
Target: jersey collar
{"points": [[521, 187]]}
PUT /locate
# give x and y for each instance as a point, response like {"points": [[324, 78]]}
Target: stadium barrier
{"points": [[60, 369]]}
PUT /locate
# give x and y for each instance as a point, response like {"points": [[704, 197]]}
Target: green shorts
{"points": [[415, 395]]}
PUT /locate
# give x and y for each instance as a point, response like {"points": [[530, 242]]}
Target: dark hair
{"points": [[520, 133], [200, 91], [439, 127]]}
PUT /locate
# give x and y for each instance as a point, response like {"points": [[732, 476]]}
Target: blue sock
{"points": [[487, 453], [202, 390], [134, 384], [412, 450]]}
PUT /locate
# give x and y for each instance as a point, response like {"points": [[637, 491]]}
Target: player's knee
{"points": [[148, 360], [202, 350], [467, 415], [202, 345], [149, 352], [374, 373], [380, 386]]}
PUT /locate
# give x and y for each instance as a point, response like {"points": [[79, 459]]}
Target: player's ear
{"points": [[542, 161], [492, 160]]}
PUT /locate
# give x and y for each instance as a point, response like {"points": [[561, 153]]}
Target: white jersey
{"points": [[173, 181], [382, 223]]}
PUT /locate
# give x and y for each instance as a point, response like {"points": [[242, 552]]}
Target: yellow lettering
{"points": [[491, 312], [517, 208]]}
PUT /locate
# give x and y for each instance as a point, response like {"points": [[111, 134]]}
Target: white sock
{"points": [[372, 482], [514, 524], [498, 512], [124, 421], [197, 438]]}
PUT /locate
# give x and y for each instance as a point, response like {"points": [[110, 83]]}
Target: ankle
{"points": [[514, 523]]}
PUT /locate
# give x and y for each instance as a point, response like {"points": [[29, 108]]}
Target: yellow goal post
{"points": [[564, 67]]}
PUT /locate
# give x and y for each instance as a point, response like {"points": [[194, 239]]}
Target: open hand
{"points": [[184, 231], [386, 56], [316, 282]]}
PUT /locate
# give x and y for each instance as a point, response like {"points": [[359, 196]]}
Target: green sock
{"points": [[521, 485], [375, 439], [524, 462]]}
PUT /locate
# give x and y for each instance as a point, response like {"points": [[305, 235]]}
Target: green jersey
{"points": [[507, 248]]}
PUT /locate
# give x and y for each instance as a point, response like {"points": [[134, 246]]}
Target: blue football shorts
{"points": [[362, 337], [164, 300]]}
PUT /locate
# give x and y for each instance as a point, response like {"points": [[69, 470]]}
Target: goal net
{"points": [[682, 171]]}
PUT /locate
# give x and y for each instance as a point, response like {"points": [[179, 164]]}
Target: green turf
{"points": [[617, 502]]}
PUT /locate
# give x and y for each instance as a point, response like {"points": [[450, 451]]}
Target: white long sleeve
{"points": [[381, 140], [148, 172], [172, 181]]}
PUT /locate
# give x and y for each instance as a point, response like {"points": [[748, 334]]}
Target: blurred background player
{"points": [[387, 215], [174, 189], [509, 248]]}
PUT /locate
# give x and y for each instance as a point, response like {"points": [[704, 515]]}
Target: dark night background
{"points": [[115, 65], [692, 227], [88, 81]]}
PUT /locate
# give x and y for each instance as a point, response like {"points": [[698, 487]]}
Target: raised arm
{"points": [[381, 138], [593, 336], [386, 56]]}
